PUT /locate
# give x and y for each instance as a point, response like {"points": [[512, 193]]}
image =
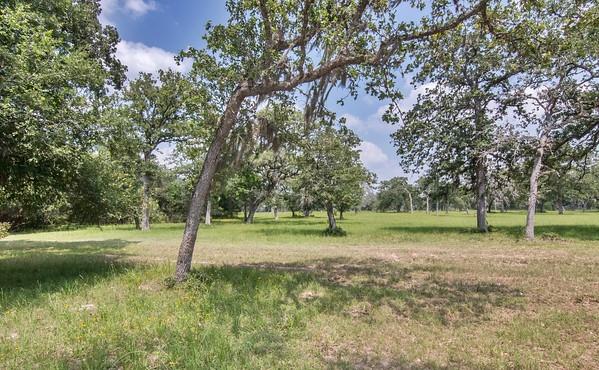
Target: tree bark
{"points": [[208, 219], [202, 188], [145, 203], [560, 203], [331, 217], [481, 186], [252, 212], [533, 191]]}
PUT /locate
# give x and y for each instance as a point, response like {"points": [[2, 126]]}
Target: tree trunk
{"points": [[202, 187], [411, 202], [331, 217], [306, 212], [208, 219], [427, 205], [560, 204], [340, 214], [292, 213], [481, 185], [137, 222], [533, 191], [275, 210], [145, 203], [437, 207], [252, 212]]}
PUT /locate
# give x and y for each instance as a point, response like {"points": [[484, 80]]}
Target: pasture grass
{"points": [[411, 291]]}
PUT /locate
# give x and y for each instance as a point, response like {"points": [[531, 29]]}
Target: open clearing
{"points": [[400, 291]]}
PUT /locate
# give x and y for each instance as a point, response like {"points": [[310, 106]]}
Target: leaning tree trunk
{"points": [[331, 217], [145, 203], [202, 188], [481, 187], [534, 191], [208, 219]]}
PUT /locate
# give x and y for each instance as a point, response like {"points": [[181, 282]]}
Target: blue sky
{"points": [[152, 32]]}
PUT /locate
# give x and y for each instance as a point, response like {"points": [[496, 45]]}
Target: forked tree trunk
{"points": [[481, 187], [208, 219], [145, 203], [202, 188], [252, 212], [331, 217], [529, 231]]}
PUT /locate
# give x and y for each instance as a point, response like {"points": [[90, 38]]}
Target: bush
{"points": [[552, 237], [4, 227], [335, 232]]}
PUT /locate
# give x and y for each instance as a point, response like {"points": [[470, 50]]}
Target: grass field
{"points": [[409, 291]]}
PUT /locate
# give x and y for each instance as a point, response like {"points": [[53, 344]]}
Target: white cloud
{"points": [[411, 98], [139, 7], [371, 155], [139, 57], [135, 8]]}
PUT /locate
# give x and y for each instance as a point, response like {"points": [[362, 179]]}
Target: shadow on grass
{"points": [[280, 295], [30, 269], [572, 232], [24, 279], [15, 247], [416, 292]]}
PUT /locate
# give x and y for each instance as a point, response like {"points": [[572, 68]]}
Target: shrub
{"points": [[335, 232], [550, 236], [4, 227]]}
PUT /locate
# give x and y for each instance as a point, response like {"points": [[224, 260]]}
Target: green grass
{"points": [[399, 291]]}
